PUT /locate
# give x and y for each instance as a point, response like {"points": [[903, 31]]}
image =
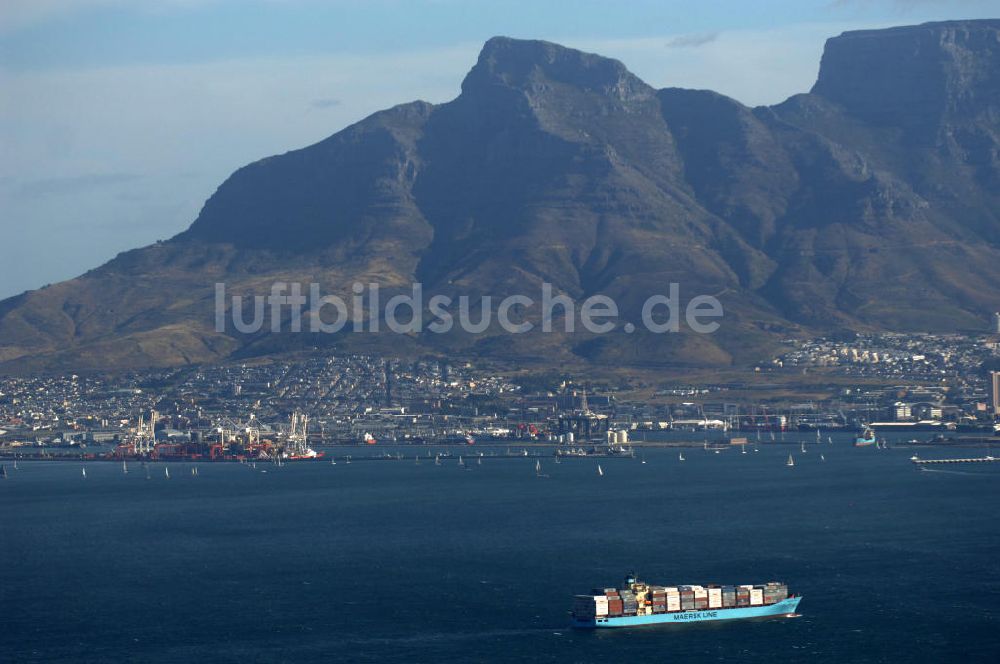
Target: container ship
{"points": [[638, 604]]}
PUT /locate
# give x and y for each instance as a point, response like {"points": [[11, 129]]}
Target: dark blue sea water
{"points": [[391, 561]]}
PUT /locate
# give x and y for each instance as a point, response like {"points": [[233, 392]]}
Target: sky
{"points": [[119, 118]]}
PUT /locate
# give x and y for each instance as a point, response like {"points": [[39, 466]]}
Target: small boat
{"points": [[790, 462], [461, 463], [680, 457], [643, 459], [600, 471], [333, 462], [822, 458], [803, 447], [166, 472], [479, 460], [124, 468], [83, 471], [3, 472], [194, 471], [437, 460], [829, 439], [743, 449], [15, 463], [866, 438]]}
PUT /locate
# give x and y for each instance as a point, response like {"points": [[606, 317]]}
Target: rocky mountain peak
{"points": [[533, 65], [914, 76]]}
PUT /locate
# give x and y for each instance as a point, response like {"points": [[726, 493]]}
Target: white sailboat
{"points": [[822, 458], [461, 462], [743, 449], [803, 447], [166, 472], [680, 457], [790, 462], [124, 467], [600, 471], [84, 472]]}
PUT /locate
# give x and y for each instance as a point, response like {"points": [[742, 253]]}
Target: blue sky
{"points": [[119, 118]]}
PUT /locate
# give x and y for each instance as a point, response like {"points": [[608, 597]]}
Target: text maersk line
{"points": [[598, 313], [699, 615]]}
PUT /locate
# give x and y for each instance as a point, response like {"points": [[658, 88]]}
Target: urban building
{"points": [[995, 393]]}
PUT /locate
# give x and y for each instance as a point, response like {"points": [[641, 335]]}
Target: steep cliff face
{"points": [[872, 201], [917, 78]]}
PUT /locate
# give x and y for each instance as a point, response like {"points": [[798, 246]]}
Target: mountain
{"points": [[871, 202]]}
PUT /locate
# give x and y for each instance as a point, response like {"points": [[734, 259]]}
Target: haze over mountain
{"points": [[872, 201]]}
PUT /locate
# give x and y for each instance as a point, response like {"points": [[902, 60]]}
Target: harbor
{"points": [[299, 540]]}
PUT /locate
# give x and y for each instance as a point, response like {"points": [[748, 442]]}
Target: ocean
{"points": [[395, 561]]}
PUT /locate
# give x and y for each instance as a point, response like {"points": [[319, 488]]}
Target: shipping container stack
{"points": [[630, 605], [615, 606], [743, 595], [728, 597], [774, 592], [687, 598], [673, 599], [658, 599], [590, 606]]}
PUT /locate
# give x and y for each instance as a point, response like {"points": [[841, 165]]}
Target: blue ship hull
{"points": [[782, 608]]}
